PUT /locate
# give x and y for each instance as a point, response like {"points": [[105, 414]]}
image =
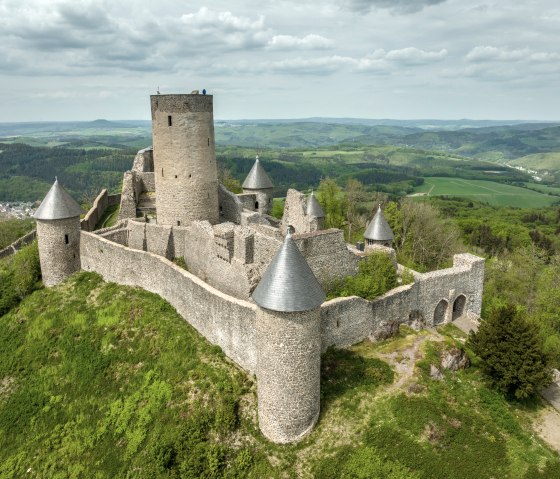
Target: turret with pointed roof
{"points": [[57, 205], [258, 183], [58, 233], [313, 207], [378, 231], [288, 337], [288, 283]]}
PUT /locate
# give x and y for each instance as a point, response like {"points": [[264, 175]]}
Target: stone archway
{"points": [[459, 306], [440, 312]]}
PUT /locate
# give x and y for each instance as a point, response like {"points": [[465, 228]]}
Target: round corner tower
{"points": [[288, 336], [186, 175], [58, 233]]}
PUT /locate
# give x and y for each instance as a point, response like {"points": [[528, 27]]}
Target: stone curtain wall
{"points": [[100, 205], [294, 213], [18, 244], [346, 321], [144, 160], [328, 256], [223, 320], [134, 184], [230, 205]]}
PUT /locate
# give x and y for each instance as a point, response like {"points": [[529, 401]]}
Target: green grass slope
{"points": [[496, 194], [103, 381]]}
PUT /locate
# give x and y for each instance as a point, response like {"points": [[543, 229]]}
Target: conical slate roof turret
{"points": [[313, 207], [288, 283], [257, 179], [379, 229], [57, 205]]}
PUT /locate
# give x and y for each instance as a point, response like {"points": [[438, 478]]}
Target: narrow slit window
{"points": [[169, 121], [208, 141], [178, 223], [66, 240], [162, 172]]}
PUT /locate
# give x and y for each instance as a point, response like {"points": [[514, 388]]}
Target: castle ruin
{"points": [[253, 284]]}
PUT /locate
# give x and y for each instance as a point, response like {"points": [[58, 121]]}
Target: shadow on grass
{"points": [[344, 371]]}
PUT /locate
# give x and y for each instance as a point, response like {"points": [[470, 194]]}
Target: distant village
{"points": [[17, 210]]}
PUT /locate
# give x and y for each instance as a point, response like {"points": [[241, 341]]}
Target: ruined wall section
{"points": [[18, 244], [185, 168], [103, 201], [144, 160], [346, 321], [210, 255], [223, 320], [294, 214], [327, 254], [466, 277], [230, 205]]}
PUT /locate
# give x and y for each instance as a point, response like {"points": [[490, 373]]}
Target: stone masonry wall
{"points": [[59, 249], [294, 213], [18, 244], [230, 205], [346, 321], [134, 184], [327, 255], [184, 159], [223, 320], [288, 373], [103, 201], [144, 160]]}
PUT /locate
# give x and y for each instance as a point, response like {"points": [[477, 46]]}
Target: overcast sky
{"points": [[83, 60]]}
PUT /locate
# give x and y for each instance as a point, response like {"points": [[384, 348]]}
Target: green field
{"points": [[496, 194], [551, 190], [539, 161]]}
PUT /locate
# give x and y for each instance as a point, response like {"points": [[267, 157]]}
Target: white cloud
{"points": [[415, 56], [380, 62], [308, 42], [482, 54], [397, 6]]}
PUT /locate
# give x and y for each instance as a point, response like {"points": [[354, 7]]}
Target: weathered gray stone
{"points": [[288, 373], [454, 359], [295, 214], [435, 373], [184, 159], [59, 249]]}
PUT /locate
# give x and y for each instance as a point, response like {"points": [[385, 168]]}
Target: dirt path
{"points": [[548, 427], [404, 360]]}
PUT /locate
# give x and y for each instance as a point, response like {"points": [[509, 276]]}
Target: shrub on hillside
{"points": [[376, 276], [512, 353], [19, 275]]}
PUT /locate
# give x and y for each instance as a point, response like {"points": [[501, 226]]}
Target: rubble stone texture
{"points": [[184, 159]]}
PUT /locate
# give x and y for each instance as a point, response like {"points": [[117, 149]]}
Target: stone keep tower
{"points": [[288, 337], [58, 232], [185, 169], [259, 184]]}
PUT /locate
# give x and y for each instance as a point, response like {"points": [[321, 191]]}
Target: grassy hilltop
{"points": [[103, 381]]}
